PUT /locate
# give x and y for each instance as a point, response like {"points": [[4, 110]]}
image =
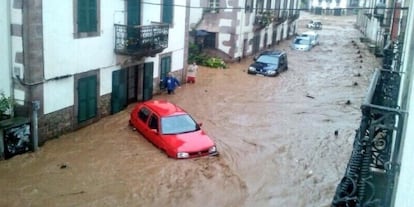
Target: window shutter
{"points": [[134, 12], [167, 11], [87, 16], [93, 21], [87, 98]]}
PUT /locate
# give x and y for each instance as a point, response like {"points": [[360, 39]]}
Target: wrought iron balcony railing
{"points": [[263, 19], [141, 41], [292, 17], [372, 171]]}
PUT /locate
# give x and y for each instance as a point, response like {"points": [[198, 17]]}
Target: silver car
{"points": [[302, 43], [314, 37]]}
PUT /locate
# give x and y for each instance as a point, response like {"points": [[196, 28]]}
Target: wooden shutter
{"points": [[87, 16], [167, 11], [87, 98], [119, 96], [148, 80], [134, 12]]}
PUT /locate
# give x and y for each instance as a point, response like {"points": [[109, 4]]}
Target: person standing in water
{"points": [[192, 73], [170, 82]]}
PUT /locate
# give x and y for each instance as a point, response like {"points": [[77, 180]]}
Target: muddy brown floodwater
{"points": [[275, 135]]}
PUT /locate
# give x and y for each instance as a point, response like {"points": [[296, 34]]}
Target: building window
{"points": [[87, 15], [259, 6], [268, 5], [214, 6], [167, 11], [249, 6], [338, 2]]}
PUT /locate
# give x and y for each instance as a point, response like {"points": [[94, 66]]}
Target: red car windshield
{"points": [[178, 124]]}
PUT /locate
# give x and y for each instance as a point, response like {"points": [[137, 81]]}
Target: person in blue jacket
{"points": [[170, 82]]}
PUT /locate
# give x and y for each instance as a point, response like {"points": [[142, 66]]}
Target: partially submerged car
{"points": [[269, 63], [171, 129], [313, 36], [314, 24], [302, 43]]}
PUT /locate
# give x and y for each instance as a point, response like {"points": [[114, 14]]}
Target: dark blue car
{"points": [[269, 63]]}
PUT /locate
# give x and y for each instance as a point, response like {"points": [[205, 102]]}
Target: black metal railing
{"points": [[263, 19], [141, 41], [293, 17], [373, 168]]}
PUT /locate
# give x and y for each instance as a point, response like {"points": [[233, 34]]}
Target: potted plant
{"points": [[5, 106]]}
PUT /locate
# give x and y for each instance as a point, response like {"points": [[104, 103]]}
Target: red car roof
{"points": [[163, 107]]}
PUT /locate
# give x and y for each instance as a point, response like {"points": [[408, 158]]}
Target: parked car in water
{"points": [[269, 63], [171, 129], [314, 24], [313, 36], [302, 43]]}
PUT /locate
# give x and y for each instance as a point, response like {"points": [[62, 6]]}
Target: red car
{"points": [[171, 129]]}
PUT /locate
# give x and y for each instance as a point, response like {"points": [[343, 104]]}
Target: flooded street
{"points": [[275, 137]]}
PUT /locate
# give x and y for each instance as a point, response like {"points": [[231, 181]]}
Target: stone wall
{"points": [[55, 124], [104, 105]]}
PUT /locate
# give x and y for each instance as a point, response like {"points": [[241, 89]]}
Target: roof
{"points": [[272, 52], [163, 107], [309, 33]]}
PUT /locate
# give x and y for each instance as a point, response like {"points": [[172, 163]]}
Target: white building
{"points": [[235, 29], [332, 7], [6, 42], [85, 59]]}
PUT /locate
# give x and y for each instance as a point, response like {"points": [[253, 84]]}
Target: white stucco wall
{"points": [[9, 46], [106, 79], [405, 188], [195, 13], [224, 37], [176, 37], [66, 55], [17, 47], [5, 48], [58, 94]]}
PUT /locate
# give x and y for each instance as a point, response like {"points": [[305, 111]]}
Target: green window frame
{"points": [[167, 11], [87, 14]]}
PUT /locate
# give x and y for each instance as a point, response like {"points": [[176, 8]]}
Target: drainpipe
{"points": [[9, 52], [35, 108]]}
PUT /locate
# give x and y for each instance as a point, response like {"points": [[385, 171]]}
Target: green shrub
{"points": [[196, 55], [215, 63], [5, 103]]}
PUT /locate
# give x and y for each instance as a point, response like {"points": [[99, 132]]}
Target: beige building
{"points": [[236, 29]]}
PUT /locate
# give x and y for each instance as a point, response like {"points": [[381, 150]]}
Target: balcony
{"points": [[280, 17], [292, 17], [140, 41], [373, 168], [262, 20]]}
